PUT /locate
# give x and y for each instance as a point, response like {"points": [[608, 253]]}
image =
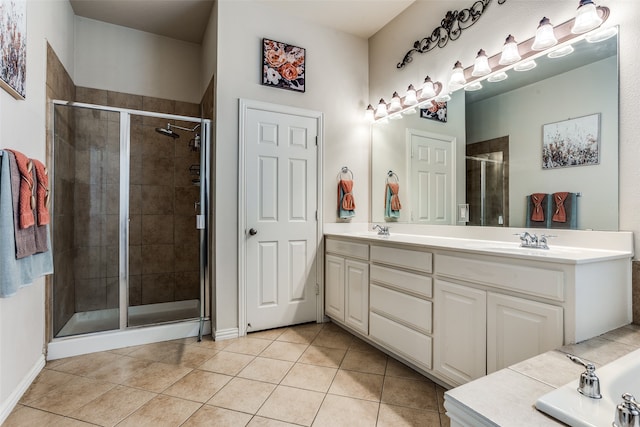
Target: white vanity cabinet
{"points": [[347, 283], [400, 304]]}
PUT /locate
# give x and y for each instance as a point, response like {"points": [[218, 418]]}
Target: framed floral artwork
{"points": [[572, 142], [283, 65], [437, 111], [13, 47]]}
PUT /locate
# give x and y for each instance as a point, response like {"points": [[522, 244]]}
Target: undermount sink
{"points": [[569, 406]]}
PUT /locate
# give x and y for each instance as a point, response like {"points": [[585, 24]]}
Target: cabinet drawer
{"points": [[405, 341], [414, 283], [411, 259], [350, 249], [407, 309], [529, 280]]}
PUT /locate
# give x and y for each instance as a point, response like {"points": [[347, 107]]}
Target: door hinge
{"points": [[317, 289], [316, 215], [316, 141]]}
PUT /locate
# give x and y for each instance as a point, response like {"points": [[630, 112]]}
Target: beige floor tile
{"points": [[360, 345], [372, 362], [124, 351], [400, 370], [292, 405], [398, 416], [208, 342], [113, 406], [198, 385], [72, 396], [252, 346], [267, 370], [157, 377], [242, 395], [192, 356], [268, 422], [161, 411], [82, 365], [220, 417], [119, 370], [165, 352], [24, 416], [299, 335], [445, 421], [410, 393], [310, 377], [340, 340], [227, 363], [322, 356], [284, 351], [357, 385], [346, 411], [440, 396], [47, 381], [269, 334]]}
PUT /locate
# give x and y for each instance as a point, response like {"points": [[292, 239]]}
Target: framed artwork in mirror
{"points": [[13, 47], [283, 65], [572, 142], [437, 111]]}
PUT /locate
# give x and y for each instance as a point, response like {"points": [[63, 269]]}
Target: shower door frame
{"points": [[202, 223]]}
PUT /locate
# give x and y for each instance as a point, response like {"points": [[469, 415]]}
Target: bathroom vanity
{"points": [[459, 308]]}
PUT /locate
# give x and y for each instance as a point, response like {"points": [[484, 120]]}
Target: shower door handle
{"points": [[253, 231]]}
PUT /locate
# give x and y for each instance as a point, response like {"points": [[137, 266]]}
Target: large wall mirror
{"points": [[495, 158]]}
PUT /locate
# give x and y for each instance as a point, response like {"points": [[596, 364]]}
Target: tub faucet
{"points": [[628, 412], [589, 383], [383, 230]]}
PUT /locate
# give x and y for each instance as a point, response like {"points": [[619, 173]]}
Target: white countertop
{"points": [[556, 253]]}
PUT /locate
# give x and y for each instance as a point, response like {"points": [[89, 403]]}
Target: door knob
{"points": [[253, 231]]}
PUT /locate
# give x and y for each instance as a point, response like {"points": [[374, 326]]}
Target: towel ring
{"points": [[392, 174], [345, 170]]}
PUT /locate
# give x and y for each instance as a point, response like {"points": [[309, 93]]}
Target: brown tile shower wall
{"points": [[164, 257], [60, 286]]}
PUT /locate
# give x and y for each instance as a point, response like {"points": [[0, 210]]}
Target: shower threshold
{"points": [[139, 315]]}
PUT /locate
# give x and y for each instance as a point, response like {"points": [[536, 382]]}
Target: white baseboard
{"points": [[226, 334], [8, 405]]}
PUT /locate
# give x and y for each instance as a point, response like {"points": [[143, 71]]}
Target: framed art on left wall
{"points": [[13, 47]]}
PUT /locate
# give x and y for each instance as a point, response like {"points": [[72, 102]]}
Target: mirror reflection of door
{"points": [[487, 187]]}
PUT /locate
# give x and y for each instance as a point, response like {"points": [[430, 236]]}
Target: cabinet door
{"points": [[460, 339], [334, 287], [518, 329], [357, 295]]}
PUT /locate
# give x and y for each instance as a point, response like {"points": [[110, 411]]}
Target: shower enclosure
{"points": [[129, 220]]}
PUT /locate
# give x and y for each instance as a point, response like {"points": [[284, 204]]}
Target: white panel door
{"points": [[518, 329], [281, 225], [432, 174], [460, 337]]}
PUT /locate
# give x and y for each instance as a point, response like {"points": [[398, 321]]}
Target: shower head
{"points": [[167, 131]]}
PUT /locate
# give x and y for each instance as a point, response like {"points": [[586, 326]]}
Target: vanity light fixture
{"points": [[560, 52], [545, 38], [428, 90], [381, 111], [369, 114], [498, 77], [510, 54], [601, 35], [525, 66], [587, 17], [481, 65], [410, 97], [396, 103], [457, 79]]}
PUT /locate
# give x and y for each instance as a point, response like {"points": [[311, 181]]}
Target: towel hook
{"points": [[392, 174], [345, 170]]}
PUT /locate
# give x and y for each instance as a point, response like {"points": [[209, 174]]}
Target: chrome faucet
{"points": [[383, 230], [589, 383], [529, 240], [627, 413]]}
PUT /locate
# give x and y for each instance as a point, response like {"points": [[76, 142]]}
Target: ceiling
{"points": [[187, 19]]}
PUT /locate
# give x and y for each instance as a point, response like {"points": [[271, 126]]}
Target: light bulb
{"points": [[510, 54], [586, 18], [381, 110], [396, 103], [457, 79], [544, 35], [428, 91], [481, 65], [410, 97], [369, 114]]}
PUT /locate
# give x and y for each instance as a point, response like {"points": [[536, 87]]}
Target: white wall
{"points": [[519, 18], [336, 84], [112, 57], [22, 126], [504, 115]]}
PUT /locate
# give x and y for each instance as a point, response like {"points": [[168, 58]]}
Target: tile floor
{"points": [[310, 375]]}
